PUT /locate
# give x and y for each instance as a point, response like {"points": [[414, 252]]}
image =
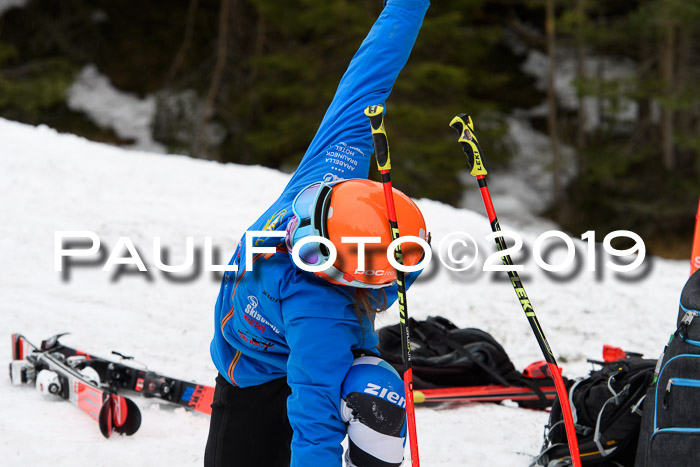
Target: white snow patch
{"points": [[9, 4], [536, 64], [128, 115], [52, 181], [523, 190]]}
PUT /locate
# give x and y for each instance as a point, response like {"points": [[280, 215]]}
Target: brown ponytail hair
{"points": [[367, 304]]}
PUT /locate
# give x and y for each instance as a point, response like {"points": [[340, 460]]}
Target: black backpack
{"points": [[670, 435], [607, 415], [445, 356]]}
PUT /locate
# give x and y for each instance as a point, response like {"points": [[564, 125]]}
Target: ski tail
{"points": [[18, 352], [15, 350], [119, 414], [114, 413], [191, 395], [120, 376], [198, 397]]}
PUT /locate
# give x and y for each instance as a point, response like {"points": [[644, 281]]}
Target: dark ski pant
{"points": [[249, 426]]}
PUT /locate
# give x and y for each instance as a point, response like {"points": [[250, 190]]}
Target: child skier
{"points": [[288, 343]]}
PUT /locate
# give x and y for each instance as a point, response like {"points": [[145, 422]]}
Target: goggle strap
{"points": [[321, 209], [323, 204]]}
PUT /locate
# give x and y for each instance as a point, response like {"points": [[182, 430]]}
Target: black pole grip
{"points": [[381, 143]]}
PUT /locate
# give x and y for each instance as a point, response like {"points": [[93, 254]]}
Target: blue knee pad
{"points": [[374, 407]]}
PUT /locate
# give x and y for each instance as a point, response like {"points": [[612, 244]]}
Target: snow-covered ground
{"points": [[51, 182]]}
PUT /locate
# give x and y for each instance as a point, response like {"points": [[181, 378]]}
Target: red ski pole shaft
{"points": [[465, 127], [381, 150]]}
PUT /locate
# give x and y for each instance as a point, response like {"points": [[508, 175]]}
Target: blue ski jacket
{"points": [[274, 320]]}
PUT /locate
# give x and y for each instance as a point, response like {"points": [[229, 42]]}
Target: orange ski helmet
{"points": [[353, 208]]}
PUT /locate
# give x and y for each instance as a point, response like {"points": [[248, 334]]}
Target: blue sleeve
{"points": [[320, 357], [342, 146]]}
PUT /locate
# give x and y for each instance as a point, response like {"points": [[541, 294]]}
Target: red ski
{"points": [[50, 375], [490, 393], [124, 375]]}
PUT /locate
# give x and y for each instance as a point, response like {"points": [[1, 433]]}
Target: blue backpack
{"points": [[670, 433]]}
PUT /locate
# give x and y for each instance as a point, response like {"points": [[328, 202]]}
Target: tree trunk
{"points": [[552, 103], [646, 62], [186, 41], [667, 114], [251, 87], [600, 71], [221, 52], [683, 67], [258, 47], [581, 75]]}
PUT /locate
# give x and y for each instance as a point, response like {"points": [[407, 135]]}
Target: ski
{"points": [[52, 376], [121, 376], [489, 393]]}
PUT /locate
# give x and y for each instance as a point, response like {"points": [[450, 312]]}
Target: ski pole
{"points": [[381, 152], [465, 127]]}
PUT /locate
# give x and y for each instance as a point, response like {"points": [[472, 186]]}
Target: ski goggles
{"points": [[310, 209]]}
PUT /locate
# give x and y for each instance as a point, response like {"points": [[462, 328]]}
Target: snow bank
{"points": [[51, 181], [128, 115]]}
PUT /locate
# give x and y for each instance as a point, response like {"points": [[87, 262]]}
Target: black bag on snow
{"points": [[607, 415], [670, 435], [443, 355]]}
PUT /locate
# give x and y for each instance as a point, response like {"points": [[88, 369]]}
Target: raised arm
{"points": [[343, 144]]}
